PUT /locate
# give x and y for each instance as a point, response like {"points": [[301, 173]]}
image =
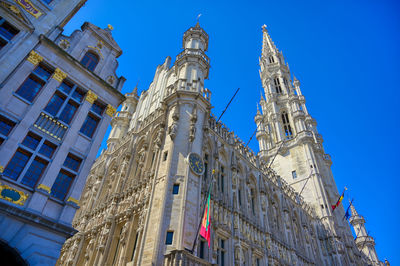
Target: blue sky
{"points": [[345, 54]]}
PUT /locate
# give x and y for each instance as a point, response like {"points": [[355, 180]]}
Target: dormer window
{"points": [[90, 60]]}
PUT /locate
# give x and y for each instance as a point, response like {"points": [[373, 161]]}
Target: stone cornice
{"points": [[37, 219]]}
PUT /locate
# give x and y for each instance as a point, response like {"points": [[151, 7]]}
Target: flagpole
{"points": [[228, 105], [202, 213]]}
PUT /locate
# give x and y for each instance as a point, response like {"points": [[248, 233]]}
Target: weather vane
{"points": [[198, 18]]}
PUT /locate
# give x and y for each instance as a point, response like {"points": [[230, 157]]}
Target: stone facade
{"points": [[56, 103], [142, 203]]}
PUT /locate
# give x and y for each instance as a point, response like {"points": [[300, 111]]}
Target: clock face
{"points": [[196, 163]]}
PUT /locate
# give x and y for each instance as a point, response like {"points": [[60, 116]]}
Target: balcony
{"points": [[51, 126], [183, 258], [193, 52]]}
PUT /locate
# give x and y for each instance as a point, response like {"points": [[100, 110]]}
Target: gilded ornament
{"points": [[1, 169], [29, 7], [12, 195], [91, 97], [44, 187], [34, 58], [59, 75], [110, 110], [14, 9]]}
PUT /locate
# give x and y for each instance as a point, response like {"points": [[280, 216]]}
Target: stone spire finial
{"points": [[268, 44], [353, 211]]}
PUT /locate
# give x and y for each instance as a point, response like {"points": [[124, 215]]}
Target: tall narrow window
{"points": [[7, 32], [169, 238], [93, 119], [221, 179], [221, 252], [286, 125], [271, 59], [175, 189], [205, 175], [277, 83], [34, 83], [253, 209], [65, 102], [90, 60], [30, 160], [202, 249], [62, 185]]}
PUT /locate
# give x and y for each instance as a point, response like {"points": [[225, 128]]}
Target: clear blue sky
{"points": [[345, 54]]}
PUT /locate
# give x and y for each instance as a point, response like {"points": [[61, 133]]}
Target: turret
{"points": [[192, 64], [121, 120], [364, 242]]}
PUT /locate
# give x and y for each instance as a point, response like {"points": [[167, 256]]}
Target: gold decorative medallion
{"points": [[12, 195], [71, 199], [1, 169], [34, 58], [91, 97], [110, 110], [29, 7], [44, 187], [59, 75]]}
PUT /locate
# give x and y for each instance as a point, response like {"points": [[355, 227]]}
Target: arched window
{"points": [[277, 85], [286, 125], [90, 60]]}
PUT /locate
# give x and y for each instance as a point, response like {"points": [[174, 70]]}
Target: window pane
{"points": [[31, 141], [47, 149], [6, 126], [68, 113], [90, 60], [17, 164], [89, 126], [78, 95], [61, 185], [7, 31], [42, 72], [72, 162], [30, 88], [168, 240], [175, 189], [66, 87], [54, 105], [97, 108], [34, 172]]}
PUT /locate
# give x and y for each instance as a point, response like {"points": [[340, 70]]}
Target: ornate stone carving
{"points": [[64, 44], [34, 58], [173, 129]]}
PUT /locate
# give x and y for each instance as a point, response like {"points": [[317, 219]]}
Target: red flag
{"points": [[205, 224], [339, 200]]}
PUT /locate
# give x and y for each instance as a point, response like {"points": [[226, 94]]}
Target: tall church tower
{"points": [[288, 138]]}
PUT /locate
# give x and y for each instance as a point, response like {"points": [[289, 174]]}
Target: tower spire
{"points": [[365, 243], [268, 45]]}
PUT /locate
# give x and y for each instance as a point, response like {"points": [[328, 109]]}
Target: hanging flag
{"points": [[205, 224], [339, 200]]}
